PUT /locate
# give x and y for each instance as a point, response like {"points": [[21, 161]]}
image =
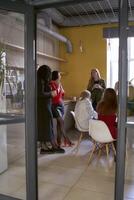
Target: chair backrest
{"points": [[73, 114], [77, 123], [99, 131]]}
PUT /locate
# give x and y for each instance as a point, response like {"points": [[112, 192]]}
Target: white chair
{"points": [[101, 137], [82, 131]]}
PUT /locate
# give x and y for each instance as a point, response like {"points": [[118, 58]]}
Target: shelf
{"points": [[38, 53], [15, 68], [51, 57]]}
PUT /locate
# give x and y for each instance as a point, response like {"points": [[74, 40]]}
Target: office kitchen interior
{"points": [[70, 41]]}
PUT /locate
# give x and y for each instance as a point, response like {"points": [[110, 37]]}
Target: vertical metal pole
{"points": [[121, 142], [30, 113]]}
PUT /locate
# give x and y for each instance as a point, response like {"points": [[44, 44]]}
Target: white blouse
{"points": [[84, 112]]}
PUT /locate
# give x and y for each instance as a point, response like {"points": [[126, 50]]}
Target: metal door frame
{"points": [[122, 109], [30, 63], [30, 94]]}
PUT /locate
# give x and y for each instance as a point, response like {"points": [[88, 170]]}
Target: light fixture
{"points": [[81, 46]]}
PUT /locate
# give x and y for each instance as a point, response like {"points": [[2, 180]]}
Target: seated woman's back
{"points": [[110, 121], [107, 109]]}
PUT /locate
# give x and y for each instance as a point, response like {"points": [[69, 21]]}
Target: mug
{"points": [[74, 98]]}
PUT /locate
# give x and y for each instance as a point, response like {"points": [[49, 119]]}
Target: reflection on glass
{"points": [[12, 160], [130, 102], [15, 91], [12, 136], [129, 172]]}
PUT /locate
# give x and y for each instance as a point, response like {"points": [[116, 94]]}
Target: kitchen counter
{"points": [[66, 101], [10, 118]]}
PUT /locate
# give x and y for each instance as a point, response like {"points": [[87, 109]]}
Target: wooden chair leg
{"points": [[99, 153], [107, 151], [113, 147], [78, 143], [91, 154]]}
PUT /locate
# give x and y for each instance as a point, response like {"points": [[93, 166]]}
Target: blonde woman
{"points": [[96, 86], [84, 110]]}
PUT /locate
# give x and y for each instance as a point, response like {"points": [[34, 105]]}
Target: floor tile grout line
{"points": [[75, 182]]}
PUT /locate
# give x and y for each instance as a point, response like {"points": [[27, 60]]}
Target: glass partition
{"points": [[129, 177], [12, 92]]}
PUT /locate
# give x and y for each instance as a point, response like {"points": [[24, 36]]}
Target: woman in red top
{"points": [[58, 107], [107, 109]]}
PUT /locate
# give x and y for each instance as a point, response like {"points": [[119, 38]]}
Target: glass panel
{"points": [[112, 61], [130, 101], [58, 173], [131, 71], [131, 47], [12, 136], [129, 175], [129, 171], [112, 75]]}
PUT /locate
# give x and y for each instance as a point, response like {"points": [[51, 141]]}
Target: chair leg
{"points": [[91, 154], [107, 150], [99, 153], [113, 147], [78, 143]]}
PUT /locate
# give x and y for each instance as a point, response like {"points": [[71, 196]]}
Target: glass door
{"points": [[17, 101], [12, 105]]}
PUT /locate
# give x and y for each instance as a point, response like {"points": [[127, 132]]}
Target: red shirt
{"points": [[110, 121], [59, 90]]}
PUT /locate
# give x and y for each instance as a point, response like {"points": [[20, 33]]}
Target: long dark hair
{"points": [[43, 78], [55, 75], [108, 103], [44, 73]]}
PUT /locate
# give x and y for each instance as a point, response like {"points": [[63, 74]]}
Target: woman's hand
{"points": [[53, 93], [97, 86]]}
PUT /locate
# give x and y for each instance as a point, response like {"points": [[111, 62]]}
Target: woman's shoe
{"points": [[58, 150], [46, 151]]}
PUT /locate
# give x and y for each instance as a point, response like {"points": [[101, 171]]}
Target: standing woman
{"points": [[44, 112], [107, 110], [58, 108], [96, 86]]}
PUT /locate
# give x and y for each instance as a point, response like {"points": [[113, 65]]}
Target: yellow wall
{"points": [[78, 65]]}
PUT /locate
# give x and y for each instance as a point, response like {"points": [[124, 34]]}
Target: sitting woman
{"points": [[84, 110], [107, 109]]}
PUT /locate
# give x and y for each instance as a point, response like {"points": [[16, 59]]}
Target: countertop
{"points": [[66, 101]]}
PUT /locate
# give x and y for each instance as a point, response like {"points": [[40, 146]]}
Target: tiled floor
{"points": [[68, 176]]}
